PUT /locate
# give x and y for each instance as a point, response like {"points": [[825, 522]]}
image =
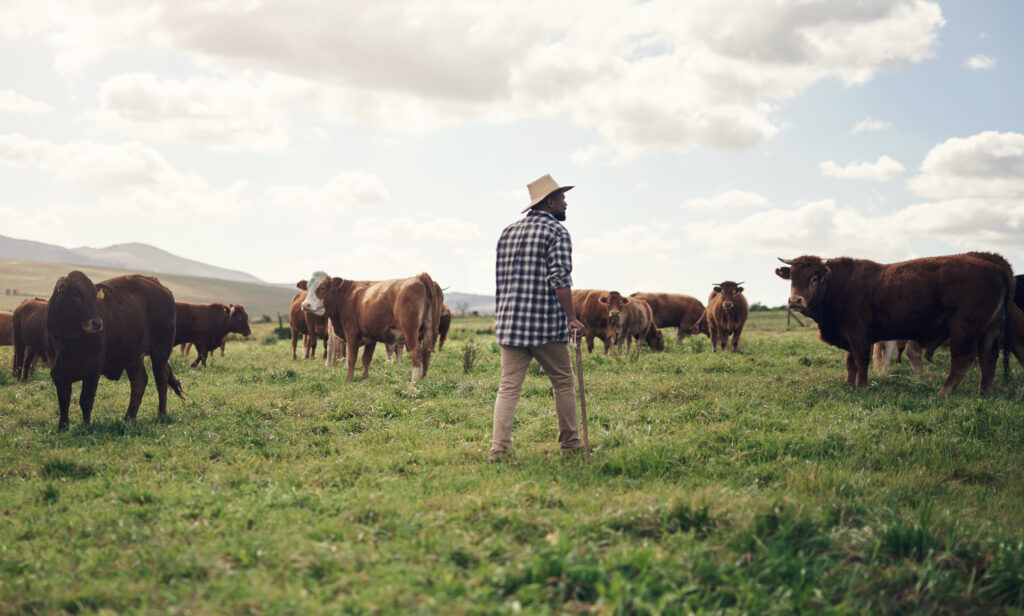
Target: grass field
{"points": [[749, 483], [36, 279]]}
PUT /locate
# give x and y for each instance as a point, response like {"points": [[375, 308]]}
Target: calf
{"points": [[206, 326], [638, 323], [674, 310], [727, 312], [108, 329], [28, 330], [600, 313], [391, 311], [856, 302]]}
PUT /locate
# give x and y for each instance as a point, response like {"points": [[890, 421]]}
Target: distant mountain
{"points": [[134, 257]]}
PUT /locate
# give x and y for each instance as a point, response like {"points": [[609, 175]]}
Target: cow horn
{"points": [[740, 282], [789, 262]]}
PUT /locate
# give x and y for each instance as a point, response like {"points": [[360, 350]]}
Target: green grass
{"points": [[749, 483]]}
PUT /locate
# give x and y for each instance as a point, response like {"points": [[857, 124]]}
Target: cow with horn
{"points": [[855, 302]]}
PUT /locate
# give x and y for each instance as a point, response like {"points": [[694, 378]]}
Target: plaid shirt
{"points": [[534, 259]]}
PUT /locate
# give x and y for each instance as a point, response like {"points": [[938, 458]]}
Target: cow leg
{"points": [[714, 339], [590, 340], [137, 378], [914, 353], [295, 342], [351, 350], [988, 356], [851, 369], [368, 357], [199, 356], [325, 350], [63, 385], [736, 338], [862, 359], [962, 354], [161, 374], [88, 395]]}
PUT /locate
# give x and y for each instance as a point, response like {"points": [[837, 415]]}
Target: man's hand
{"points": [[576, 328]]}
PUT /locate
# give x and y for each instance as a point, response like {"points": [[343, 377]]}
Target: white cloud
{"points": [[642, 242], [989, 164], [727, 200], [819, 227], [127, 177], [231, 114], [353, 188], [12, 102], [664, 75], [980, 62], [883, 169], [869, 125]]}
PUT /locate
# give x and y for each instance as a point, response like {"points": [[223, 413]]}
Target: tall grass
{"points": [[754, 482]]}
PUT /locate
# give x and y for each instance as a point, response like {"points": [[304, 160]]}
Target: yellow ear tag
{"points": [[99, 294]]}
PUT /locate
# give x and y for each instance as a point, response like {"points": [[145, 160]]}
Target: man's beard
{"points": [[559, 216]]}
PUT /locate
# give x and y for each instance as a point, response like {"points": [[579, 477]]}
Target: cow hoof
{"points": [[63, 427]]}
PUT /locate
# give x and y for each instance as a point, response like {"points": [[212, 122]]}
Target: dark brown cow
{"points": [[857, 302], [6, 328], [600, 312], [109, 328], [206, 326], [638, 324], [674, 310], [727, 312], [444, 324], [29, 334], [391, 311]]}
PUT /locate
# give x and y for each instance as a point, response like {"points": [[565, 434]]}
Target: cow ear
{"points": [[739, 289], [625, 300], [226, 309], [603, 300], [302, 285], [782, 272], [718, 289]]}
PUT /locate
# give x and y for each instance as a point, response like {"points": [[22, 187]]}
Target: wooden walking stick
{"points": [[583, 401]]}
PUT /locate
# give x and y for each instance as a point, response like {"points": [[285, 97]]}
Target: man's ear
{"points": [[782, 272]]}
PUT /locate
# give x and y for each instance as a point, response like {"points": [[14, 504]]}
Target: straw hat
{"points": [[542, 188]]}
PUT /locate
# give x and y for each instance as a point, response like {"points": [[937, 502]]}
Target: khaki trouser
{"points": [[554, 358]]}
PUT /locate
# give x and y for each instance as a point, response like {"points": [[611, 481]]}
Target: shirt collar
{"points": [[541, 213]]}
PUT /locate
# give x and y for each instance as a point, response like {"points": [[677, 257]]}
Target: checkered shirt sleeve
{"points": [[534, 259]]}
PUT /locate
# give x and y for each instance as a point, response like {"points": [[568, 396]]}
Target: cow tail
{"points": [[174, 382], [1008, 308], [432, 317]]}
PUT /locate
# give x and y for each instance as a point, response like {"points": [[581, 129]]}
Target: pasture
{"points": [[749, 483]]}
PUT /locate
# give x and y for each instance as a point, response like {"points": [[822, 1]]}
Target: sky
{"points": [[704, 138]]}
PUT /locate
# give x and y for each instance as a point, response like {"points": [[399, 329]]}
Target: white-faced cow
{"points": [[856, 302], [391, 311]]}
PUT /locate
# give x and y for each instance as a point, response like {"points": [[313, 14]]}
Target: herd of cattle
{"points": [[970, 302]]}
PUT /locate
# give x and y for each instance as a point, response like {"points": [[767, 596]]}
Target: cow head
{"points": [[74, 308], [728, 290], [807, 276], [314, 301], [654, 338], [238, 320], [700, 326], [614, 302]]}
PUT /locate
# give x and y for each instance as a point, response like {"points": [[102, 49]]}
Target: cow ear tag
{"points": [[99, 294]]}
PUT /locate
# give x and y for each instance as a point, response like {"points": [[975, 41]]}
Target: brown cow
{"points": [[109, 328], [6, 328], [391, 311], [857, 302], [637, 322], [29, 334], [207, 325], [727, 312], [674, 310], [600, 312]]}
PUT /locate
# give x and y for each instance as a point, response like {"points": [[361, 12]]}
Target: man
{"points": [[535, 315]]}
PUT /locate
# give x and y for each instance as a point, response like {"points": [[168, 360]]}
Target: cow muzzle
{"points": [[798, 303], [92, 326], [727, 305]]}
